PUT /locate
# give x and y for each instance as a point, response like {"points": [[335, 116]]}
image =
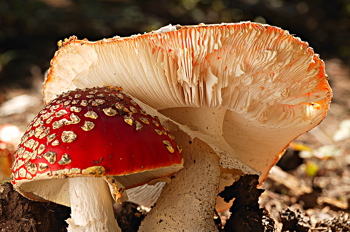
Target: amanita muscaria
{"points": [[234, 95], [85, 147]]}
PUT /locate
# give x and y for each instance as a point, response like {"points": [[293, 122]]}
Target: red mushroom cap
{"points": [[98, 132]]}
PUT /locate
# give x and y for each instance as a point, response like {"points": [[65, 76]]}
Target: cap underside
{"points": [[266, 86]]}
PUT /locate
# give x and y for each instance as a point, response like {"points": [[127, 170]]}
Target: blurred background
{"points": [[29, 30]]}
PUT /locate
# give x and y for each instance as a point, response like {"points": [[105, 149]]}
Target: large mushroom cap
{"points": [[98, 132], [247, 89]]}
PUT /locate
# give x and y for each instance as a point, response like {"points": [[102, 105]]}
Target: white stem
{"points": [[91, 206], [188, 202]]}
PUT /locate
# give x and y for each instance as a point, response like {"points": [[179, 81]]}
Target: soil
{"points": [[20, 214], [246, 213], [301, 194]]}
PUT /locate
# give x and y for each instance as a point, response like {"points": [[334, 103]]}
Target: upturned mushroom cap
{"points": [[246, 89], [98, 132]]}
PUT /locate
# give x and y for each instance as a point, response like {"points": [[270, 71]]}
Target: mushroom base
{"points": [[188, 202], [91, 205]]}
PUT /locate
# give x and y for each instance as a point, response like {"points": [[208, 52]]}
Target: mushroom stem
{"points": [[188, 202], [91, 206]]}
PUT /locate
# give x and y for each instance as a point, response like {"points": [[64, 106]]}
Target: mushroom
{"points": [[85, 147], [6, 158], [9, 138], [234, 95]]}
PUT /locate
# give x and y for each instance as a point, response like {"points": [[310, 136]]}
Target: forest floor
{"points": [[318, 190], [311, 195]]}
